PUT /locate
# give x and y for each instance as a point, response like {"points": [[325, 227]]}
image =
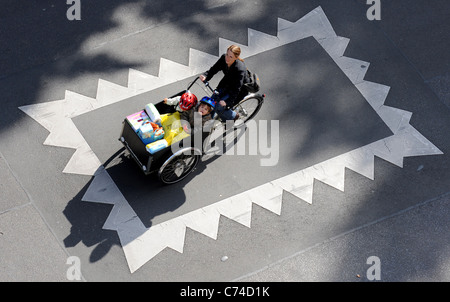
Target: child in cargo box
{"points": [[202, 111], [182, 102]]}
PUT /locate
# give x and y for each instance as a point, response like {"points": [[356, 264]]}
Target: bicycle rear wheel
{"points": [[178, 166]]}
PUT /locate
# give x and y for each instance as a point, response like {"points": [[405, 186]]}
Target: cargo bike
{"points": [[173, 158]]}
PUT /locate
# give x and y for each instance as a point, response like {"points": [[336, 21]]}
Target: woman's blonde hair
{"points": [[236, 50]]}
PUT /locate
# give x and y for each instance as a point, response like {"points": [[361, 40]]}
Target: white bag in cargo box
{"points": [[153, 113]]}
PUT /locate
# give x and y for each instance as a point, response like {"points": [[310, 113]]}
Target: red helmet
{"points": [[188, 100]]}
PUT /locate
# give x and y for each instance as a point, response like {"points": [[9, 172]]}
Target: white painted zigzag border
{"points": [[140, 244]]}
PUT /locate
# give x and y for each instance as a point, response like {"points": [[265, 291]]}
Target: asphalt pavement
{"points": [[358, 189]]}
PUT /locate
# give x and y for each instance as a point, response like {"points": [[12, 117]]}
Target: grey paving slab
{"points": [[29, 250], [12, 193], [441, 86], [411, 245], [420, 31]]}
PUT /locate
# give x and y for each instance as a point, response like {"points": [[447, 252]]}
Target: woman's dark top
{"points": [[234, 77]]}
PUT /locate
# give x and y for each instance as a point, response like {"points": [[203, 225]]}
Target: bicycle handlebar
{"points": [[205, 83]]}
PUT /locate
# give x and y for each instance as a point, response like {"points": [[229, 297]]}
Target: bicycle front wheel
{"points": [[247, 108]]}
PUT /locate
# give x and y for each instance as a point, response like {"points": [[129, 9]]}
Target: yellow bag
{"points": [[173, 130]]}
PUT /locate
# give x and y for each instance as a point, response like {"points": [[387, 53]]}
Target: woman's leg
{"points": [[223, 112]]}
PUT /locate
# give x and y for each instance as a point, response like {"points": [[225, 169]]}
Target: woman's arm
{"points": [[218, 66]]}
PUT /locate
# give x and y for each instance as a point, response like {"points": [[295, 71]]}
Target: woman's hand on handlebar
{"points": [[202, 78]]}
